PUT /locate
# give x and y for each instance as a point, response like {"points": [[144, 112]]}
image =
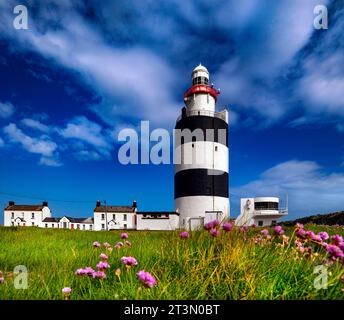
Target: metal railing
{"points": [[220, 114], [265, 212]]}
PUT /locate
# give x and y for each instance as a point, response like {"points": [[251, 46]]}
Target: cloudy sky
{"points": [[86, 69]]}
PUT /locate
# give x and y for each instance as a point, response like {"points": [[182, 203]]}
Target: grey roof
{"points": [[24, 207], [126, 209], [155, 213], [50, 219]]}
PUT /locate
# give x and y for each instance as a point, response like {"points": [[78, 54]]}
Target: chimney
{"points": [[45, 203], [134, 204], [98, 203], [11, 203]]}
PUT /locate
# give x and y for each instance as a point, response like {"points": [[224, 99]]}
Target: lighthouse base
{"points": [[195, 211]]}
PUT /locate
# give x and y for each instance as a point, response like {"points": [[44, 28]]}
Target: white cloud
{"points": [[6, 110], [35, 124], [310, 189], [322, 87], [41, 145], [50, 162], [80, 128]]}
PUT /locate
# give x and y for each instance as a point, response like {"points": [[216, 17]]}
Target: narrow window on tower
{"points": [[215, 148]]}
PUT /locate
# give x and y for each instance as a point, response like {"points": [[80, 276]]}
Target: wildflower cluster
{"points": [[333, 246], [213, 227], [103, 266], [2, 280]]}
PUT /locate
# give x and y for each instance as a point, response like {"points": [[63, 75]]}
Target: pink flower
{"points": [[66, 292], [103, 256], [103, 265], [128, 243], [99, 275], [96, 244], [129, 261], [106, 244], [146, 279], [323, 235], [89, 271], [208, 226], [299, 225], [334, 252], [337, 239], [264, 232], [214, 232], [80, 272], [2, 280], [124, 236], [244, 229], [119, 245], [227, 226], [300, 233], [215, 223], [184, 235], [279, 230], [310, 233], [316, 238]]}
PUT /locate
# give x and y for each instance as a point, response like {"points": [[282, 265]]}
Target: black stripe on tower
{"points": [[203, 123], [198, 182]]}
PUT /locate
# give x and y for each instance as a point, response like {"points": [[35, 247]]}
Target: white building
{"points": [[262, 211], [108, 217], [26, 215], [201, 188], [68, 223], [151, 220]]}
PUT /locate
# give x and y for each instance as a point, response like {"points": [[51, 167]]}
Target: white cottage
{"points": [[108, 217], [26, 215], [152, 220]]}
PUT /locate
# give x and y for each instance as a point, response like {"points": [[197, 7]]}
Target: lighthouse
{"points": [[201, 175]]}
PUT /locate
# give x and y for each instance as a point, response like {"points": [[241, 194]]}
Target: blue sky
{"points": [[84, 70]]}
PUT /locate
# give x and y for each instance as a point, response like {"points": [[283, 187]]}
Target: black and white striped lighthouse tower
{"points": [[201, 191]]}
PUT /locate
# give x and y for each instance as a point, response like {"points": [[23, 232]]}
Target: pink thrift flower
{"points": [[102, 265], [96, 244], [119, 245], [279, 230], [243, 229], [2, 280], [323, 235], [208, 226], [214, 232], [89, 271], [264, 232], [129, 261], [66, 290], [215, 223], [299, 225], [80, 272], [337, 239], [301, 233], [310, 233], [227, 226], [99, 275], [128, 243], [146, 279], [103, 256], [184, 235], [124, 236], [106, 244]]}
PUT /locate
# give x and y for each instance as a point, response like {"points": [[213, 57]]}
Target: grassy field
{"points": [[230, 266]]}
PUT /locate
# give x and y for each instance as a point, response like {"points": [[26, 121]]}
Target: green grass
{"points": [[201, 267]]}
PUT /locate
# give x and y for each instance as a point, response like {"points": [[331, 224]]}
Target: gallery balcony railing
{"points": [[220, 114], [270, 212]]}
